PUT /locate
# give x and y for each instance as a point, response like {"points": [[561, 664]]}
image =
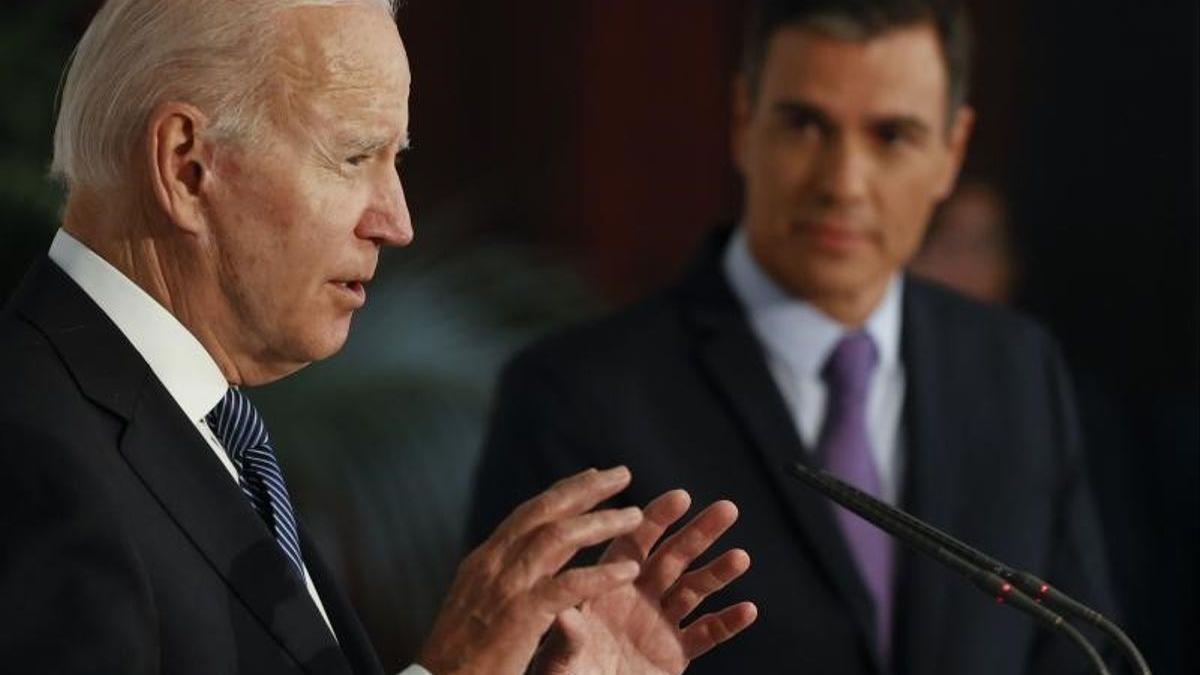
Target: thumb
{"points": [[563, 642], [571, 629]]}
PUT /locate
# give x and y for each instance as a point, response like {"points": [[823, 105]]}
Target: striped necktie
{"points": [[240, 429]]}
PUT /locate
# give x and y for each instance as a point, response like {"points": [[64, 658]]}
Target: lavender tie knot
{"points": [[848, 369]]}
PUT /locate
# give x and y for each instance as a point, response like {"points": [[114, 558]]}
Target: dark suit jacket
{"points": [[678, 389], [127, 548]]}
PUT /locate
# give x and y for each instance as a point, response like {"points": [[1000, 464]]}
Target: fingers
{"points": [[672, 558], [553, 595], [658, 515], [568, 497], [551, 545], [693, 587], [711, 630]]}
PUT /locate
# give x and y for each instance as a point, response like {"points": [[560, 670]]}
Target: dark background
{"points": [[568, 157]]}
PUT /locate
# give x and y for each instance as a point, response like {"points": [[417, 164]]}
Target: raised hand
{"points": [[508, 591], [635, 629]]}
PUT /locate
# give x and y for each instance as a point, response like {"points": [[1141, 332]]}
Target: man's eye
{"points": [[802, 123], [896, 135], [357, 160], [891, 135]]}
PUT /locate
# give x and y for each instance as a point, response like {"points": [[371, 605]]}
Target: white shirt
{"points": [[798, 339]]}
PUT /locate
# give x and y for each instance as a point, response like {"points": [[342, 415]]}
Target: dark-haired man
{"points": [[798, 337]]}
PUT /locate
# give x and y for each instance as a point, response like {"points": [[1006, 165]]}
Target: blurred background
{"points": [[569, 156]]}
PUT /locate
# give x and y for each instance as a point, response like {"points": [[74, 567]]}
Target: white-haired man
{"points": [[231, 179]]}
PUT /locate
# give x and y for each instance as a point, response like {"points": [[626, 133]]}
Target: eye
{"points": [[894, 135], [802, 121], [890, 134], [357, 160]]}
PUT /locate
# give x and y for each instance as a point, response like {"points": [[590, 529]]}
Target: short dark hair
{"points": [[862, 20]]}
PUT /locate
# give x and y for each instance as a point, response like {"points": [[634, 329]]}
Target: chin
{"points": [[322, 344], [829, 278], [332, 345]]}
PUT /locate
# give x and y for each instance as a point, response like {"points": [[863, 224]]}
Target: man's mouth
{"points": [[354, 290], [836, 236]]}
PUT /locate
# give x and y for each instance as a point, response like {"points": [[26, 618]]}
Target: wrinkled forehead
{"points": [[348, 57]]}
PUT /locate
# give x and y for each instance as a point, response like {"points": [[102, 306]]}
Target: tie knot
{"points": [[848, 369], [237, 424]]}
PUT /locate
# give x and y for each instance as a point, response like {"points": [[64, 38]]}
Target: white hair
{"points": [[137, 54]]}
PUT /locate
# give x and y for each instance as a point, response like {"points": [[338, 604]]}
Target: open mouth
{"points": [[356, 291]]}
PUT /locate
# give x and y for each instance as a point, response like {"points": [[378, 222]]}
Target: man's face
{"points": [[297, 220], [844, 152]]}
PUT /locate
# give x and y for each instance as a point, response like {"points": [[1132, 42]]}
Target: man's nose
{"points": [[389, 223], [846, 168]]}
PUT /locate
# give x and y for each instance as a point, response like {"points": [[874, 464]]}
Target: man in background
{"points": [[798, 337], [969, 245], [232, 177]]}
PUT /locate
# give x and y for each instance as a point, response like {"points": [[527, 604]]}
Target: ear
{"points": [[179, 162], [956, 142], [743, 109]]}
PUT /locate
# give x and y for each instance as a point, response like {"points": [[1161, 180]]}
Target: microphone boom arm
{"points": [[1008, 586]]}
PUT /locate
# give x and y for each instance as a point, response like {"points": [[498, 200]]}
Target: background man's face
{"points": [[844, 153], [298, 219]]}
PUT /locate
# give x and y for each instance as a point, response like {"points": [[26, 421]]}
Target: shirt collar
{"points": [[174, 355], [795, 330]]}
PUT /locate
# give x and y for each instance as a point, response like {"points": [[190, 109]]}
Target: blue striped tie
{"points": [[240, 429]]}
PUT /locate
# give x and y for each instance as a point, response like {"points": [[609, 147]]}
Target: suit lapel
{"points": [[356, 644], [175, 464], [731, 356], [932, 477]]}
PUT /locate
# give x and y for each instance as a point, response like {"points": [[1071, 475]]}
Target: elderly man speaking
{"points": [[231, 179]]}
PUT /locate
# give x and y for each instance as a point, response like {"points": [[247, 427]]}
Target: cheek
{"points": [[905, 209], [776, 179]]}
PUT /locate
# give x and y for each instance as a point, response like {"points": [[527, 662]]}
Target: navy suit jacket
{"points": [[678, 389], [126, 547]]}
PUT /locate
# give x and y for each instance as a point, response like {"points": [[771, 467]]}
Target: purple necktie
{"points": [[845, 450]]}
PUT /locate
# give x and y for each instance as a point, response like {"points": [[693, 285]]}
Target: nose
{"points": [[388, 222], [845, 171]]}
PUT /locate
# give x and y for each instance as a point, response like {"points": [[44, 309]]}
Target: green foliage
{"points": [[36, 39]]}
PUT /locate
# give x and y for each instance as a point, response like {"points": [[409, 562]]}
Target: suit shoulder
{"points": [[619, 340], [27, 357], [39, 390], [991, 324]]}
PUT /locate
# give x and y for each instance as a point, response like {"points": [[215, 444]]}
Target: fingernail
{"points": [[631, 514], [627, 569], [618, 474]]}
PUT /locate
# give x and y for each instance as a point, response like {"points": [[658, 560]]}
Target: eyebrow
{"points": [[369, 145], [798, 109], [792, 110]]}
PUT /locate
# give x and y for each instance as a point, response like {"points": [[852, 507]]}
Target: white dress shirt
{"points": [[798, 339]]}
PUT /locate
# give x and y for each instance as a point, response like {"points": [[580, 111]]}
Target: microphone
{"points": [[1016, 588]]}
